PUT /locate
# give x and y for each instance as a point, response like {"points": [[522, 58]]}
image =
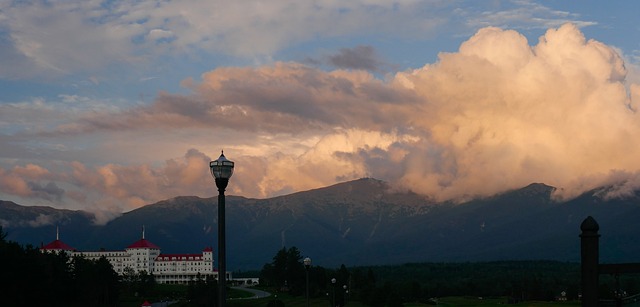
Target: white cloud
{"points": [[159, 34], [554, 113], [522, 15], [500, 113], [53, 38]]}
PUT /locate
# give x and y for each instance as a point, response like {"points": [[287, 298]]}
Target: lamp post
{"points": [[307, 264], [221, 170], [346, 295], [333, 283]]}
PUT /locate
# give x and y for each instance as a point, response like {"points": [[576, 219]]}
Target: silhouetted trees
{"points": [[32, 278], [203, 292], [419, 282], [137, 283], [286, 271], [521, 280], [95, 282]]}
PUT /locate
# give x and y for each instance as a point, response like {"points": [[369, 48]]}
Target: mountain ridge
{"points": [[362, 222]]}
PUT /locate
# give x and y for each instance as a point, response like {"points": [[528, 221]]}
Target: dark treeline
{"points": [[422, 282], [518, 280], [287, 273], [32, 278]]}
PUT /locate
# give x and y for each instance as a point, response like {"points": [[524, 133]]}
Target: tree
{"points": [[108, 283], [30, 277], [34, 278], [138, 283], [280, 267], [367, 285], [286, 271], [95, 281], [202, 292], [3, 236], [295, 272]]}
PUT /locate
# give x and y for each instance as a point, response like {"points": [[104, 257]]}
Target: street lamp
{"points": [[221, 170], [346, 295], [307, 264], [333, 283]]}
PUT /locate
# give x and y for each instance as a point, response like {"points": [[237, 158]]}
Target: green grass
{"points": [[240, 298], [288, 300], [472, 302], [458, 301], [237, 294]]}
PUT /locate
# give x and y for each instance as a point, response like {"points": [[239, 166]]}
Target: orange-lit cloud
{"points": [[509, 114], [498, 114]]}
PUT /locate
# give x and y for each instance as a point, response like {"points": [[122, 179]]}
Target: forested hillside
{"points": [[361, 222]]}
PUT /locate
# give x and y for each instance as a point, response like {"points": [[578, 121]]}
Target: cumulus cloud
{"points": [[557, 112], [129, 187], [21, 181], [499, 113]]}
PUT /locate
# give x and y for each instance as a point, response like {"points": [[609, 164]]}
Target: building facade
{"points": [[145, 256]]}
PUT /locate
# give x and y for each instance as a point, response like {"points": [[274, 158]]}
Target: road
{"points": [[256, 293], [163, 304]]}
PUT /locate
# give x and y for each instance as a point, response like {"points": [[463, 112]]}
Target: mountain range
{"points": [[360, 222]]}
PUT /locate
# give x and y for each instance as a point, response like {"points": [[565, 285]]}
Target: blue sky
{"points": [[111, 105]]}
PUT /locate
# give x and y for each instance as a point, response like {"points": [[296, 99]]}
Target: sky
{"points": [[107, 106]]}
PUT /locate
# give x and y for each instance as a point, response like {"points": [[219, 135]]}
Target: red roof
{"points": [[208, 249], [143, 243], [57, 245], [146, 303]]}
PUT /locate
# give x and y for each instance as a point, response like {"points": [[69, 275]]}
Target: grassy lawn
{"points": [[238, 294], [240, 298], [300, 301], [289, 301], [472, 302]]}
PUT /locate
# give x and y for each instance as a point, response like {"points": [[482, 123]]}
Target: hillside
{"points": [[359, 222]]}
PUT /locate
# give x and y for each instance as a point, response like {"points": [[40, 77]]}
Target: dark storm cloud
{"points": [[359, 57], [50, 191]]}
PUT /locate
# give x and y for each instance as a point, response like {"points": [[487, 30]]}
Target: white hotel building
{"points": [[143, 255]]}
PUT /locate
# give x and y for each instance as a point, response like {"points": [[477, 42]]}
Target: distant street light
{"points": [[346, 295], [307, 264], [333, 283], [221, 170]]}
